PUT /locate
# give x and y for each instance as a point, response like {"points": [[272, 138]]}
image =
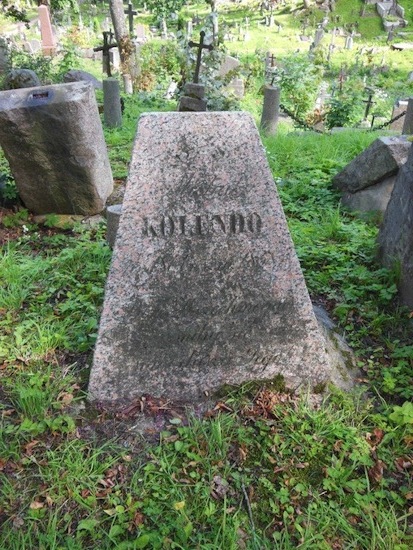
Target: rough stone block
{"points": [[53, 139], [372, 199], [396, 233], [380, 160], [205, 288]]}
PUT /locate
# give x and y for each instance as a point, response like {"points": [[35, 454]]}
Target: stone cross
{"points": [[200, 47], [107, 45], [130, 12]]}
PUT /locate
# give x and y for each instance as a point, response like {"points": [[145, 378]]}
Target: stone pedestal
{"points": [[113, 214], [193, 98], [112, 113], [53, 139], [270, 110]]}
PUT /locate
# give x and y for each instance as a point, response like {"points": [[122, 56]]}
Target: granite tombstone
{"points": [[53, 139], [205, 288]]}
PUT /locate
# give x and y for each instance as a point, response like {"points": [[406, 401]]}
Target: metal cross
{"points": [[130, 12], [107, 45], [200, 47], [369, 102]]}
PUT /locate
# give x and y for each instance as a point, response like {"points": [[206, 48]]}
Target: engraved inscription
{"points": [[202, 225]]}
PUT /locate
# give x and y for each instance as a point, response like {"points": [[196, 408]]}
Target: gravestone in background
{"points": [[4, 56], [48, 39], [53, 139], [205, 288]]}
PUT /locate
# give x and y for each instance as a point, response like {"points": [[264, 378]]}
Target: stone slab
{"points": [[53, 139], [380, 160], [396, 232], [371, 199], [205, 288]]}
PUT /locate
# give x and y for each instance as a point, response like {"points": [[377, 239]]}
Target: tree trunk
{"points": [[126, 47]]}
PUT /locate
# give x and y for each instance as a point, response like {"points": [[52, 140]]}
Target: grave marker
{"points": [[130, 12], [53, 139], [205, 288], [105, 49], [48, 39]]}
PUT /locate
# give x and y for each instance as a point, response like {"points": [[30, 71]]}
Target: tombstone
{"points": [[367, 181], [237, 87], [53, 139], [395, 237], [114, 59], [113, 214], [270, 110], [141, 37], [398, 108], [20, 78], [27, 47], [4, 56], [48, 39], [205, 288], [189, 29], [228, 64], [36, 45], [349, 42], [76, 75], [408, 119], [319, 35], [112, 113], [171, 91], [193, 98], [107, 46]]}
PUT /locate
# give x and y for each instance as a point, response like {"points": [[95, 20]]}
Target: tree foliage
{"points": [[163, 8], [11, 10]]}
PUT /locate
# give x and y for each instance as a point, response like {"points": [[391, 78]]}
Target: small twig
{"points": [[248, 504]]}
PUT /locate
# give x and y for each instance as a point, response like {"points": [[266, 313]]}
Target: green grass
{"points": [[265, 469]]}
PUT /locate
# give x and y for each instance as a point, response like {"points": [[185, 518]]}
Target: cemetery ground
{"points": [[265, 467]]}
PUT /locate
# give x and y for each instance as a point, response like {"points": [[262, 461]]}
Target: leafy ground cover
{"points": [[264, 467]]}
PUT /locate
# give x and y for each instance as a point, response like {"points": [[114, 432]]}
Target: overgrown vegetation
{"points": [[264, 467]]}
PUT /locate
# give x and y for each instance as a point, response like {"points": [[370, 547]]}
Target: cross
{"points": [[271, 60], [369, 102], [107, 45], [130, 12], [200, 47]]}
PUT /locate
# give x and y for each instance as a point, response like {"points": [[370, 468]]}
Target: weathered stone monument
{"points": [[367, 181], [396, 233], [205, 288], [53, 139]]}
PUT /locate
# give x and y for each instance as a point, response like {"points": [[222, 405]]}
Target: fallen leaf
{"points": [[376, 472], [403, 463], [29, 447], [219, 487], [36, 505]]}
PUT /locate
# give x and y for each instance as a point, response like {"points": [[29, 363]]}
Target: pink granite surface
{"points": [[46, 31], [205, 288]]}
